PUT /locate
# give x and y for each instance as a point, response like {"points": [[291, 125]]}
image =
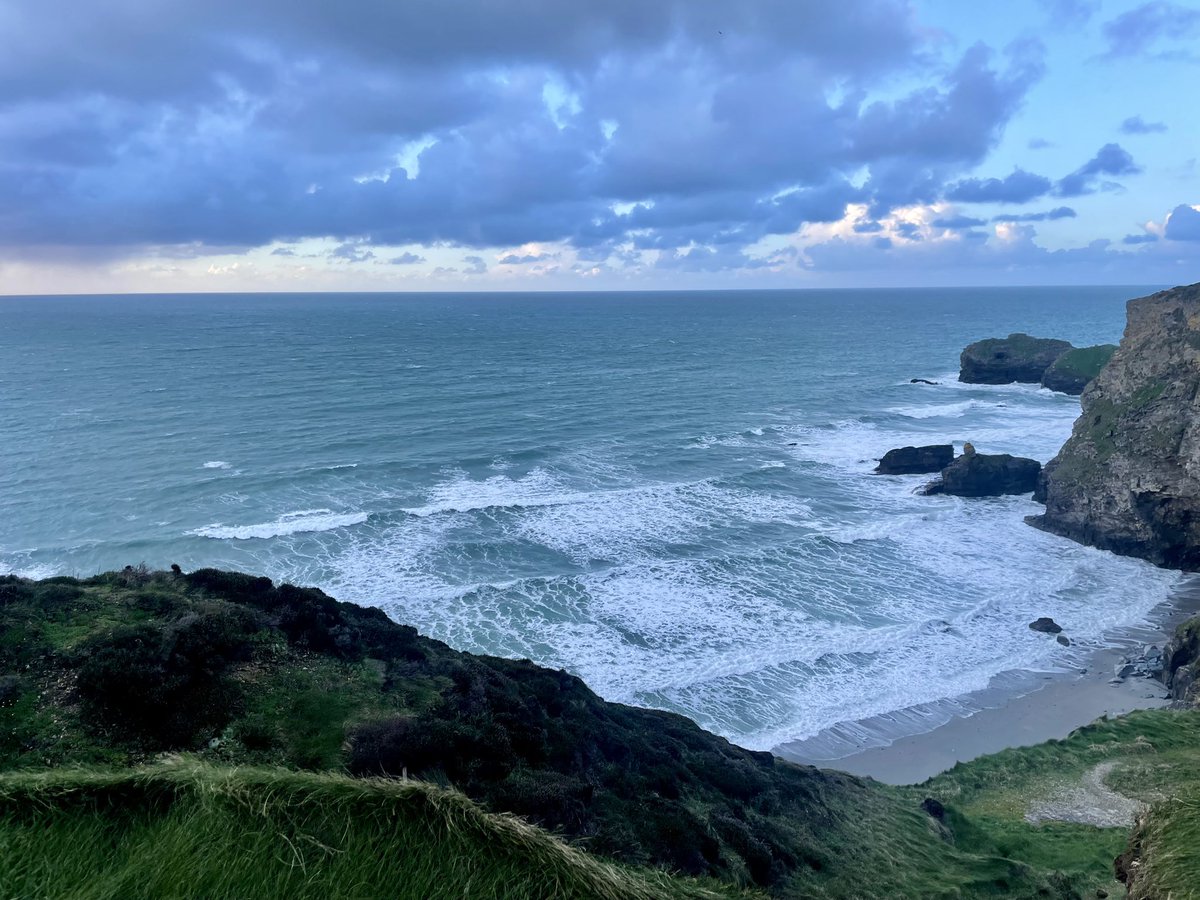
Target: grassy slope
{"points": [[186, 829], [1157, 760], [301, 682]]}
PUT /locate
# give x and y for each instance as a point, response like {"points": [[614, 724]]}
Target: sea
{"points": [[668, 494]]}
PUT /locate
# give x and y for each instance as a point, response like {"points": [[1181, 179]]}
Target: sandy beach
{"points": [[1064, 702]]}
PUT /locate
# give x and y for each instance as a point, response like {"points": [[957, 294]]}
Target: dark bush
{"points": [[165, 683]]}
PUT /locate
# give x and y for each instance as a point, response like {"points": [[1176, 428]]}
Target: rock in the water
{"points": [[1017, 357], [1046, 625], [1073, 370], [987, 475], [922, 381], [1128, 479], [1064, 640], [916, 460]]}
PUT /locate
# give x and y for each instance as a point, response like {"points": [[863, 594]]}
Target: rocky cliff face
{"points": [[1128, 479]]}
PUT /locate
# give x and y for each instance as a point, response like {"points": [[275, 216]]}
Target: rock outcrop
{"points": [[1017, 357], [987, 475], [1128, 479], [1073, 370], [1181, 663], [916, 460]]}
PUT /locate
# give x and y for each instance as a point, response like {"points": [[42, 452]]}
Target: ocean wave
{"points": [[299, 522], [216, 464], [946, 410]]}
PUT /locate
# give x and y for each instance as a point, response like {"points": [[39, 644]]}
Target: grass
{"points": [[288, 679], [185, 829], [1169, 862], [1085, 362], [1157, 758]]}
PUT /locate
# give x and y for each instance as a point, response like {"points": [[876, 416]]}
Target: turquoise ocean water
{"points": [[667, 494]]}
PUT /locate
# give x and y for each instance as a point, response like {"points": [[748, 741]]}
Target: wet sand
{"points": [[1066, 701]]}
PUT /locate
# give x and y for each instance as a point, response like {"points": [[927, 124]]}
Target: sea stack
{"points": [[1017, 357], [1128, 479]]}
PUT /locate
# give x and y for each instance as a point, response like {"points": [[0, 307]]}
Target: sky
{"points": [[264, 145]]}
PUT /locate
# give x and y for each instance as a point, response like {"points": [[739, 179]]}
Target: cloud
{"points": [[1073, 13], [406, 259], [427, 123], [1139, 239], [351, 253], [1059, 212], [283, 251], [957, 222], [1111, 159], [1019, 187], [475, 265], [1183, 224], [1140, 29], [1138, 125], [1039, 144]]}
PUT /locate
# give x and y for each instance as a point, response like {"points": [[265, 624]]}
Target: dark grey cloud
{"points": [[475, 265], [1059, 212], [1144, 28], [469, 123], [1019, 187], [1111, 159], [1138, 125], [1183, 224]]}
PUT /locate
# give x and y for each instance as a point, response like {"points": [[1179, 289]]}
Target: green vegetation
{"points": [[184, 829], [1084, 362], [1164, 849], [278, 695], [1153, 754]]}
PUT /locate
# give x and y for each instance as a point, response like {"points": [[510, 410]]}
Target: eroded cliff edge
{"points": [[1128, 479]]}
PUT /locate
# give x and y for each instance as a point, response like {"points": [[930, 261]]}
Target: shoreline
{"points": [[994, 720]]}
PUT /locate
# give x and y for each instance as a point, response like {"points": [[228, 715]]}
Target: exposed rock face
{"points": [[1017, 357], [1181, 663], [1128, 480], [1072, 371], [916, 460], [987, 475], [1046, 625]]}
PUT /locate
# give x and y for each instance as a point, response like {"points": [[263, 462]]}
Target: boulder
{"points": [[916, 460], [922, 381], [1017, 357], [1128, 480], [987, 475], [1073, 370], [1045, 625]]}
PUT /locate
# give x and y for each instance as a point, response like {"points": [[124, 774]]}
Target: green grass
{"points": [[1085, 362], [1169, 850], [184, 829], [288, 679], [1156, 755]]}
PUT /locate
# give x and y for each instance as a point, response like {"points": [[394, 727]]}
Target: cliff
{"points": [[1128, 479]]}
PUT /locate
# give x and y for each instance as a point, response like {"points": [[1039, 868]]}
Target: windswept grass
{"points": [[186, 829], [1168, 863]]}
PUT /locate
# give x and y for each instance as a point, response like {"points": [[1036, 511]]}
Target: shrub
{"points": [[165, 683]]}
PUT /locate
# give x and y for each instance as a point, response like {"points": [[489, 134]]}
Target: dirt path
{"points": [[1089, 802]]}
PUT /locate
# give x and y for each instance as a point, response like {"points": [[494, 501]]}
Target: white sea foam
{"points": [[216, 464], [299, 522], [945, 410]]}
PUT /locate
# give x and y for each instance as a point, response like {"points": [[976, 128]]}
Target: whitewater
{"points": [[666, 494]]}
